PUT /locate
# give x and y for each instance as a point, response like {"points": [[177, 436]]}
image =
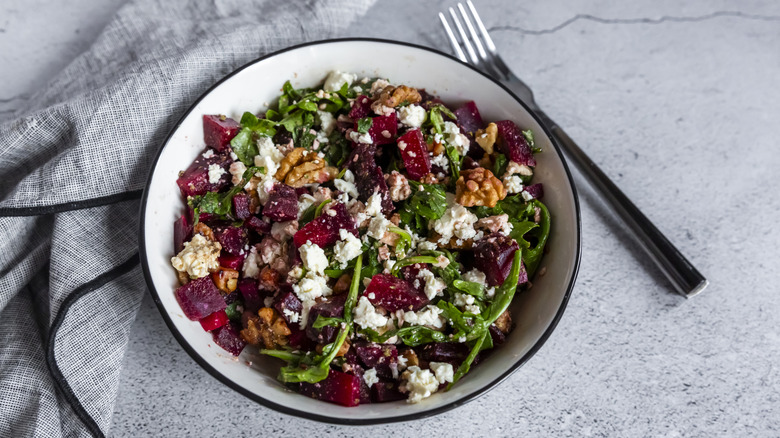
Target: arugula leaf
{"points": [[338, 149], [260, 126], [232, 311], [533, 256], [410, 261], [307, 105], [411, 336], [364, 124], [469, 287], [454, 159], [285, 355], [220, 204], [404, 242], [529, 137], [436, 119], [245, 146], [499, 164], [429, 202], [323, 321]]}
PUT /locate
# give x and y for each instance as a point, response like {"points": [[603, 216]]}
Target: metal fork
{"points": [[683, 275]]}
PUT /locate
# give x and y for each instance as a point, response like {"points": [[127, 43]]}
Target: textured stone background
{"points": [[679, 102]]}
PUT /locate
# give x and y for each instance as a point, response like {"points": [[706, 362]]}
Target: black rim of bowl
{"points": [[338, 420]]}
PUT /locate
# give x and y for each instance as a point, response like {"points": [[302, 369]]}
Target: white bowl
{"points": [[255, 85]]}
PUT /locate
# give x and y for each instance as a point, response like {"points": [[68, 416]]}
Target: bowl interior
{"points": [[252, 89]]}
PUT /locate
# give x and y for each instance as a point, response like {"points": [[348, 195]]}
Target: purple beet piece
{"points": [[247, 287], [386, 391], [324, 230], [451, 352], [231, 261], [199, 298], [496, 335], [393, 293], [379, 356], [241, 206], [218, 131], [232, 239], [229, 338], [369, 178], [195, 180], [282, 204], [340, 388], [290, 302], [258, 225], [333, 308], [382, 124], [302, 191], [493, 256], [512, 142], [535, 190], [468, 117], [182, 231], [361, 108], [414, 152], [469, 163], [282, 135]]}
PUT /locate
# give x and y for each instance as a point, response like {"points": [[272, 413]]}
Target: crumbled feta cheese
{"points": [[327, 122], [233, 156], [198, 257], [427, 316], [374, 205], [337, 79], [455, 138], [292, 316], [377, 227], [426, 245], [304, 202], [347, 248], [311, 287], [379, 85], [433, 286], [237, 169], [360, 138], [440, 160], [402, 360], [419, 384], [215, 173], [412, 116], [476, 276], [513, 184], [264, 187], [366, 315], [443, 371], [388, 264], [458, 222], [208, 154], [313, 257], [268, 155], [369, 376], [251, 266], [347, 185], [282, 231]]}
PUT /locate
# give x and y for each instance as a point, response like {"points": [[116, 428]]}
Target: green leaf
{"points": [[435, 117], [430, 203], [364, 124], [323, 321], [232, 311], [285, 355], [404, 242], [465, 366], [318, 210], [454, 158], [469, 287], [308, 105], [533, 256], [262, 127], [338, 149], [220, 204], [245, 146], [529, 137], [499, 164], [410, 261]]}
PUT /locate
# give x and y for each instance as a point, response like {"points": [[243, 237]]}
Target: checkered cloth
{"points": [[72, 168]]}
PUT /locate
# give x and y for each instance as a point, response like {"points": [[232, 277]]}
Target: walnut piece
{"points": [[411, 358], [454, 242], [342, 284], [504, 322], [225, 279], [342, 350], [478, 187], [493, 224], [392, 96], [201, 228], [268, 328], [398, 186], [301, 167], [486, 138]]}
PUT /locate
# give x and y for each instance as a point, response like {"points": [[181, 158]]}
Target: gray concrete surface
{"points": [[680, 104]]}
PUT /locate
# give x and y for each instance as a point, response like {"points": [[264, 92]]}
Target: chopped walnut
{"points": [[537, 215], [301, 167], [268, 279], [342, 284], [486, 138], [430, 179], [493, 224], [268, 328], [383, 253], [183, 277], [504, 322], [201, 228], [520, 169], [411, 358], [394, 96], [454, 243], [342, 350], [390, 238], [478, 187], [225, 279], [398, 186], [395, 219], [322, 194]]}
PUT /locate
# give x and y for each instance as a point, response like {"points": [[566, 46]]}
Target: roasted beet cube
{"points": [[182, 231], [195, 180], [233, 239], [324, 230], [369, 178], [214, 321], [241, 206], [253, 301], [535, 190], [258, 225], [199, 298], [288, 304], [496, 335], [512, 142], [231, 261], [333, 308], [361, 108], [468, 117], [393, 293], [229, 338], [218, 131], [451, 352], [414, 152], [386, 391], [383, 129], [340, 388], [282, 204], [298, 337], [493, 256], [379, 356]]}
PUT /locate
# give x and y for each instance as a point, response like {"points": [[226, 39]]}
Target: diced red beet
{"points": [[340, 388], [282, 204], [369, 178], [469, 163], [450, 352], [199, 298], [214, 321], [290, 302], [382, 124], [229, 338], [324, 230], [252, 299], [493, 255], [468, 117], [496, 335], [258, 225], [393, 293], [241, 206], [386, 391], [379, 356], [232, 239], [512, 142], [182, 231], [414, 152], [361, 108], [218, 131], [535, 190], [333, 308], [195, 180], [231, 261]]}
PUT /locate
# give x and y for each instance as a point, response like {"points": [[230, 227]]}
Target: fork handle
{"points": [[686, 279]]}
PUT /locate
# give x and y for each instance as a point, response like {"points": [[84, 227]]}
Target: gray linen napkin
{"points": [[72, 169]]}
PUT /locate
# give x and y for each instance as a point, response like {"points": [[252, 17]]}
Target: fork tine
{"points": [[499, 63], [464, 38], [453, 39], [473, 33]]}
